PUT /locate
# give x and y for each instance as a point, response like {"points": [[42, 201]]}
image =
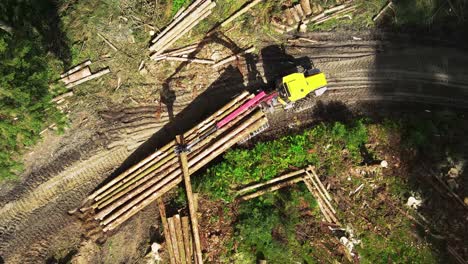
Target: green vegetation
{"points": [[266, 228], [25, 96], [330, 147]]}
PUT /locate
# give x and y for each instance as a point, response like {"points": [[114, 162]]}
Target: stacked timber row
{"points": [[182, 23], [180, 240], [140, 185], [299, 15]]}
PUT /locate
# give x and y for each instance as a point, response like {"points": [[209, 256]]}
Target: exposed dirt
{"points": [[61, 171]]}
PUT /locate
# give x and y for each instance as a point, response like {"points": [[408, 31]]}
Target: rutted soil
{"points": [[366, 68]]}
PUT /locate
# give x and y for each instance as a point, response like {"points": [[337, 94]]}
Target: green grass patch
{"points": [[327, 146]]}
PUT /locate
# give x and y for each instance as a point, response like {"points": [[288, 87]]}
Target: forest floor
{"points": [[113, 126]]}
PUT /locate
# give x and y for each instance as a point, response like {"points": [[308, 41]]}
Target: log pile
{"points": [[140, 185], [305, 12], [181, 24], [181, 246], [80, 74]]}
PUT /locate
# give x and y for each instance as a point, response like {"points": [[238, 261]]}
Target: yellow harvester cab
{"points": [[296, 86]]}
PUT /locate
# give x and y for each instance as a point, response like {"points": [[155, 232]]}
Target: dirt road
{"points": [[361, 67]]}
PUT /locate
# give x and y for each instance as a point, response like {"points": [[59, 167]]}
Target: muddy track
{"points": [[375, 68]]}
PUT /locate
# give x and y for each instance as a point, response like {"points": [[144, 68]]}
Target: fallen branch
{"points": [[107, 42], [382, 11]]}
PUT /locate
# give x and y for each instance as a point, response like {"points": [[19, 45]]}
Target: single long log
{"points": [[88, 78], [233, 57], [76, 68], [299, 11], [240, 12], [334, 15], [149, 178], [382, 11], [180, 238], [107, 42], [295, 14], [186, 233], [162, 179], [62, 96], [271, 189], [137, 167], [191, 204], [167, 235], [277, 179], [172, 232], [214, 151], [202, 61]]}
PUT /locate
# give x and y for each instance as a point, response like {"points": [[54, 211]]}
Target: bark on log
{"points": [[202, 61], [62, 96], [271, 189], [305, 4], [240, 12], [92, 76], [216, 149], [77, 75], [299, 11], [167, 235], [289, 17], [186, 29], [185, 25], [172, 231], [191, 203], [176, 20], [277, 179], [295, 15], [180, 238], [186, 232]]}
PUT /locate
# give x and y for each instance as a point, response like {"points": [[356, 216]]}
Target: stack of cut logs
{"points": [[142, 184], [182, 23], [179, 240], [305, 13]]}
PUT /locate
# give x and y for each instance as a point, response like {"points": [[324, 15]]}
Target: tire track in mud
{"points": [[358, 72]]}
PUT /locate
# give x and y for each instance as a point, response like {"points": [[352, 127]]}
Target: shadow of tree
{"points": [[37, 18]]}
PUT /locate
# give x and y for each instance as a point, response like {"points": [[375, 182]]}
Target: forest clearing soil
{"points": [[62, 170]]}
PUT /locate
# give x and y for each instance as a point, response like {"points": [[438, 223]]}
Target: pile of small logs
{"points": [[140, 185], [179, 240], [80, 74], [182, 23], [298, 16]]}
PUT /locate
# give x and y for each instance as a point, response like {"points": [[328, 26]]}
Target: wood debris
{"points": [[80, 74], [240, 12], [182, 23]]}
